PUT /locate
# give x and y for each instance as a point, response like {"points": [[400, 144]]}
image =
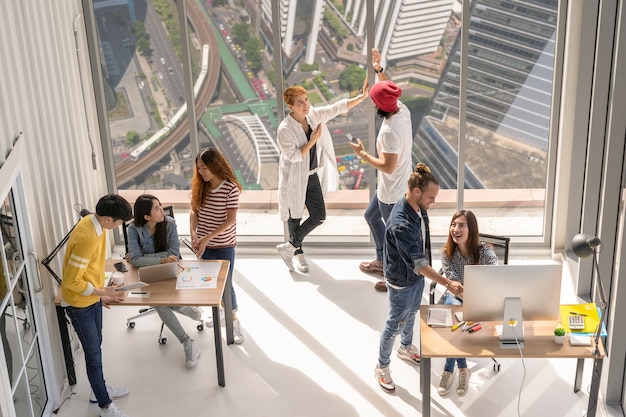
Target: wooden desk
{"points": [[441, 342], [164, 293]]}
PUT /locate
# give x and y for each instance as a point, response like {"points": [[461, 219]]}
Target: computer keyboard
{"points": [[576, 322]]}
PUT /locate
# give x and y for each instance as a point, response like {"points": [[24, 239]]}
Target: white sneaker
{"points": [[383, 376], [410, 354], [115, 393], [209, 321], [446, 383], [301, 263], [286, 250], [112, 411], [192, 353], [464, 376], [237, 335]]}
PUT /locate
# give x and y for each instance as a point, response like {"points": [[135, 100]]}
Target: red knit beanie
{"points": [[385, 95]]}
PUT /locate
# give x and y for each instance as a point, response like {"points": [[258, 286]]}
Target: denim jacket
{"points": [[404, 246], [141, 244]]}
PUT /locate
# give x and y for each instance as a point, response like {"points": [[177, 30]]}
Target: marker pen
{"points": [[459, 324], [475, 328], [474, 325]]}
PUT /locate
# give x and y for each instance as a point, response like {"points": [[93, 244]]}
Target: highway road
{"points": [[127, 170]]}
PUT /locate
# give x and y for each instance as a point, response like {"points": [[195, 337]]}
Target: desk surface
{"points": [[165, 293], [442, 342]]}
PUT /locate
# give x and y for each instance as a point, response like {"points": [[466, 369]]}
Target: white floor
{"points": [[310, 350]]}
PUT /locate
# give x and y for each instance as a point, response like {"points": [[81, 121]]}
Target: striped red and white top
{"points": [[213, 213]]}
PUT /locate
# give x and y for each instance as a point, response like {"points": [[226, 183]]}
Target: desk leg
{"points": [[219, 354], [579, 374], [425, 385], [595, 387], [228, 311], [66, 344]]}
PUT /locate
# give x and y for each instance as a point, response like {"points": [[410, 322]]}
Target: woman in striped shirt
{"points": [[214, 203]]}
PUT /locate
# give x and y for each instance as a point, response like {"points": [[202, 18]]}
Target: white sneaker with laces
{"points": [[301, 263], [410, 354], [115, 393], [112, 411], [237, 334], [192, 353], [464, 376], [286, 251], [446, 383], [383, 376], [209, 321]]}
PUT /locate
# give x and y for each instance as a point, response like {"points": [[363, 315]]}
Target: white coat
{"points": [[293, 167]]}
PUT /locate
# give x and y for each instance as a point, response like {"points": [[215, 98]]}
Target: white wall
{"points": [[41, 96]]}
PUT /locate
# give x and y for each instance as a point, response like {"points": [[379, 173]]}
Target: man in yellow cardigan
{"points": [[84, 293]]}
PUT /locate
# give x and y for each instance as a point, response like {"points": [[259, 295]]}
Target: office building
{"points": [[404, 28]]}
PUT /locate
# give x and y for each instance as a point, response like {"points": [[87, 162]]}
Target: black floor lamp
{"points": [[584, 245]]}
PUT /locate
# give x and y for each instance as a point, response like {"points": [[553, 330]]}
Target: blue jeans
{"points": [[404, 303], [461, 362], [376, 216], [227, 254], [87, 322]]}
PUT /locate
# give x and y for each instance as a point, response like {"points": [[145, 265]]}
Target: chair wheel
{"points": [[130, 324], [200, 327], [163, 340], [496, 367]]}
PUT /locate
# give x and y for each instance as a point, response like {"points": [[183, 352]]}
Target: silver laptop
{"points": [[160, 272]]}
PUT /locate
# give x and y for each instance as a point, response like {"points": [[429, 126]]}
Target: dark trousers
{"points": [[314, 203]]}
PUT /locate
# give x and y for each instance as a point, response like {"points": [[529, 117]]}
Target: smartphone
{"points": [[120, 267], [351, 139]]}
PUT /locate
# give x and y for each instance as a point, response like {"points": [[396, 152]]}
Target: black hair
{"points": [[143, 207], [114, 206]]}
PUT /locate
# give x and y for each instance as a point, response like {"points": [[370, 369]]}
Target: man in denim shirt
{"points": [[406, 262]]}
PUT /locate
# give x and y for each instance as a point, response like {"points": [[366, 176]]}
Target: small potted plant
{"points": [[559, 334]]}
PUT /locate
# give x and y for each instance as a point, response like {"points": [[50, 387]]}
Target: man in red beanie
{"points": [[394, 165]]}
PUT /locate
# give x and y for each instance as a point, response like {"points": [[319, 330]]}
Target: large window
{"points": [[324, 47]]}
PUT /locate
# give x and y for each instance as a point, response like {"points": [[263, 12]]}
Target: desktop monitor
{"points": [[525, 292]]}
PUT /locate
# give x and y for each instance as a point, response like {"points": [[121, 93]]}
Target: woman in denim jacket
{"points": [[153, 240]]}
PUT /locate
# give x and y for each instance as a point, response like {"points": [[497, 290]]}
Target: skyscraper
{"points": [[510, 69], [404, 28]]}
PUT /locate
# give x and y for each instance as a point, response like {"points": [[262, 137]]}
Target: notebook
{"points": [[160, 272]]}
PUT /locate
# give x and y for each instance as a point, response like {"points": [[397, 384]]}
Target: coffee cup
{"points": [[117, 278]]}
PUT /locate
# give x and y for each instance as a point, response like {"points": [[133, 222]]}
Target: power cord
{"points": [[519, 395]]}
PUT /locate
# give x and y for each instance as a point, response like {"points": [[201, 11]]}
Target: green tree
{"points": [[241, 32], [143, 43], [132, 138], [335, 24], [352, 77], [253, 52]]}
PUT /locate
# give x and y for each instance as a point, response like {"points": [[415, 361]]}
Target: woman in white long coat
{"points": [[307, 167]]}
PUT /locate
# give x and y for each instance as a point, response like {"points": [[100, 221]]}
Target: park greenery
{"points": [[336, 25], [141, 38], [132, 138], [251, 45], [352, 77]]}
